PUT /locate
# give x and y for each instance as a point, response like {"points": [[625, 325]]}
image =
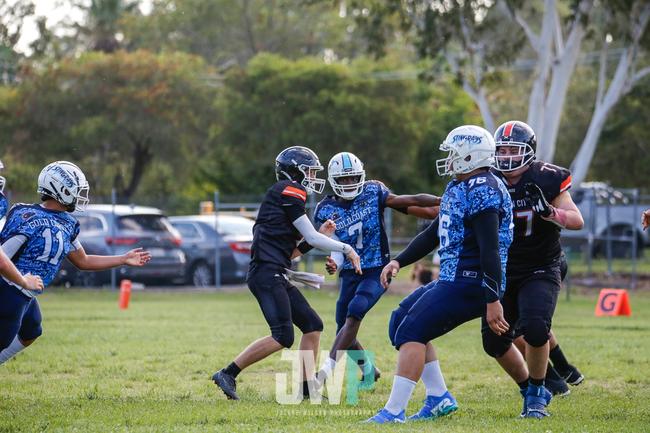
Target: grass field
{"points": [[147, 369]]}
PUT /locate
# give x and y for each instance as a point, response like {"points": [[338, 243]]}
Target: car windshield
{"points": [[153, 223], [236, 226]]}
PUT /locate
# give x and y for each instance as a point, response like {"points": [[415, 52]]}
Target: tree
{"points": [[227, 33], [12, 18], [116, 114], [394, 126], [102, 21], [470, 37]]}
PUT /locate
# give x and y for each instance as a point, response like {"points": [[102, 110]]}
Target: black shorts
{"points": [[281, 302], [531, 297]]}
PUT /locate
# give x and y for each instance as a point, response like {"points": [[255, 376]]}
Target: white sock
{"points": [[11, 350], [433, 380], [399, 395], [328, 367]]}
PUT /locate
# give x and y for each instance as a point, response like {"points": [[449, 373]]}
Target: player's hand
{"points": [[495, 319], [388, 273], [645, 219], [327, 228], [538, 201], [33, 283], [354, 258], [137, 257], [330, 265]]}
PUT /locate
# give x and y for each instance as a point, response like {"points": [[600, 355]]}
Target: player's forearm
{"points": [[319, 240], [10, 272], [100, 263], [420, 200], [428, 213], [486, 228], [570, 219]]}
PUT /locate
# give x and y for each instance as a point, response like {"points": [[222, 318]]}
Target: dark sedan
{"points": [[200, 234]]}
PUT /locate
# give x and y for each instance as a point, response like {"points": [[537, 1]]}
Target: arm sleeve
{"points": [[318, 240], [421, 245], [486, 227], [13, 244]]}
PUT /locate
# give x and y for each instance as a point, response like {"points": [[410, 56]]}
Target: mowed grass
{"points": [[147, 369]]}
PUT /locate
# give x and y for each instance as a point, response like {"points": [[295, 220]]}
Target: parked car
{"points": [[605, 208], [106, 232], [200, 234]]}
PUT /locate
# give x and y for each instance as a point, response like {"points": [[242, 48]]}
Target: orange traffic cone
{"points": [[125, 294], [613, 302]]}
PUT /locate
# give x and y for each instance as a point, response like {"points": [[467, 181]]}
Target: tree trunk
{"points": [[142, 156]]}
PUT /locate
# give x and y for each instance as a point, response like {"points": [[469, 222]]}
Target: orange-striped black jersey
{"points": [[536, 242]]}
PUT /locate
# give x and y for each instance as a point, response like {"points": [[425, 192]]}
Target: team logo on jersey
{"points": [[28, 215]]}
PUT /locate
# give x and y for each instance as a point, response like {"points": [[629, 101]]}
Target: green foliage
{"points": [[393, 126], [226, 32], [114, 114]]}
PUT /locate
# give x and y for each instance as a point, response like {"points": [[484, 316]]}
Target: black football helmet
{"points": [[514, 134], [300, 164]]}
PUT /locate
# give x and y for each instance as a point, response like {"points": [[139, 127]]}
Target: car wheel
{"points": [[201, 275], [85, 279]]}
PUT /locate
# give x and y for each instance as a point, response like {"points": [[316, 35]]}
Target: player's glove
{"points": [[537, 200]]}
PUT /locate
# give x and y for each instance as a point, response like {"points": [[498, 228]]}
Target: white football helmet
{"points": [[470, 147], [2, 179], [64, 182], [345, 165]]}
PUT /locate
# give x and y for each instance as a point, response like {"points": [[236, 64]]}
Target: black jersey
{"points": [[536, 242], [274, 235]]}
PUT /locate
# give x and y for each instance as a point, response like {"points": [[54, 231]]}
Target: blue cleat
{"points": [[535, 402], [548, 396], [385, 417], [435, 407]]}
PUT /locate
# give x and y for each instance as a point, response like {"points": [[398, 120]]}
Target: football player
{"points": [[37, 237], [4, 204], [357, 208], [281, 223], [474, 232], [542, 206], [553, 381]]}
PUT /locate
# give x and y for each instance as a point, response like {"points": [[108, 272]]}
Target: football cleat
{"points": [[363, 386], [535, 402], [227, 384], [435, 407], [572, 375], [385, 417], [548, 396], [557, 387]]}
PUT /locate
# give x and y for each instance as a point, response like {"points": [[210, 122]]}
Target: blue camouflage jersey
{"points": [[360, 223], [4, 205], [45, 237], [463, 200]]}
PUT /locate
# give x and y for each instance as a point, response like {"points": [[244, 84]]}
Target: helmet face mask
{"points": [[470, 147], [516, 146], [346, 175], [513, 155], [65, 183], [300, 164]]}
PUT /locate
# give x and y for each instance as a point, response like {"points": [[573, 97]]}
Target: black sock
{"points": [[559, 361], [537, 382], [305, 388], [523, 384], [232, 370], [552, 374]]}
